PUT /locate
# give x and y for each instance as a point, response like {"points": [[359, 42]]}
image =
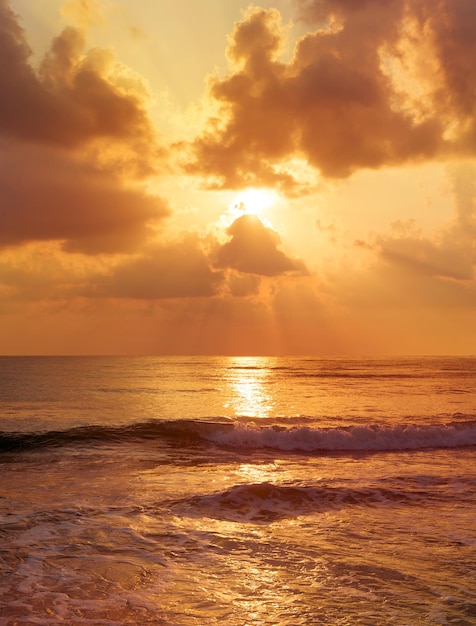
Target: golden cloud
{"points": [[253, 249], [75, 139], [339, 103], [48, 194], [177, 270]]}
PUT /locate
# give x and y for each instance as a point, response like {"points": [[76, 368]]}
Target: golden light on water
{"points": [[253, 473], [250, 387]]}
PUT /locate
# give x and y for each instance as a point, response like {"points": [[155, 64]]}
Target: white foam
{"points": [[372, 438]]}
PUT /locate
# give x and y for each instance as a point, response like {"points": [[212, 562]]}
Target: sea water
{"points": [[237, 491]]}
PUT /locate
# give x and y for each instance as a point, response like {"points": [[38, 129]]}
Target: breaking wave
{"points": [[224, 433], [371, 438]]}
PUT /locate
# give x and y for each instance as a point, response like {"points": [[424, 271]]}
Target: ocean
{"points": [[247, 491]]}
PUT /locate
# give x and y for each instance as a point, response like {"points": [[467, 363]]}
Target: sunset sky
{"points": [[213, 177]]}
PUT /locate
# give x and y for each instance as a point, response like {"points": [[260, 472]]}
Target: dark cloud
{"points": [[453, 26], [253, 249], [178, 270], [340, 102], [72, 99], [39, 274], [74, 136], [47, 194], [424, 256], [242, 285]]}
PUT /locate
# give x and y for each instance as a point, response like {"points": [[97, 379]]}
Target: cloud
{"points": [[75, 97], [426, 257], [47, 194], [450, 253], [176, 270], [243, 285], [374, 84], [464, 187], [253, 249], [414, 271], [41, 273], [453, 27], [75, 141]]}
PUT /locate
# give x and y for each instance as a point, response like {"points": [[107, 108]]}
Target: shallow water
{"points": [[238, 491]]}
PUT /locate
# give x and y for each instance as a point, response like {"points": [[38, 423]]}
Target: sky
{"points": [[184, 177]]}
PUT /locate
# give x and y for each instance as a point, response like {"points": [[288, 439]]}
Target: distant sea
{"points": [[237, 491]]}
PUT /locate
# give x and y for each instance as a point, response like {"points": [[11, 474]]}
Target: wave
{"points": [[266, 502], [224, 433], [186, 431], [260, 502], [350, 438]]}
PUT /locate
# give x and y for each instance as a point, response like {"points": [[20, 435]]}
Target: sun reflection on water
{"points": [[258, 473], [250, 386]]}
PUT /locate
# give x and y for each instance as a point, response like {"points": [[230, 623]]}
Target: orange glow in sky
{"points": [[287, 177]]}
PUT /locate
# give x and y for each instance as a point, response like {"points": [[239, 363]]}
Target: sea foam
{"points": [[371, 438]]}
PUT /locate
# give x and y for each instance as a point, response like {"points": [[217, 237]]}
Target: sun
{"points": [[253, 201]]}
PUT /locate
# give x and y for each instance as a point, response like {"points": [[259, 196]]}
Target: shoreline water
{"points": [[116, 508]]}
